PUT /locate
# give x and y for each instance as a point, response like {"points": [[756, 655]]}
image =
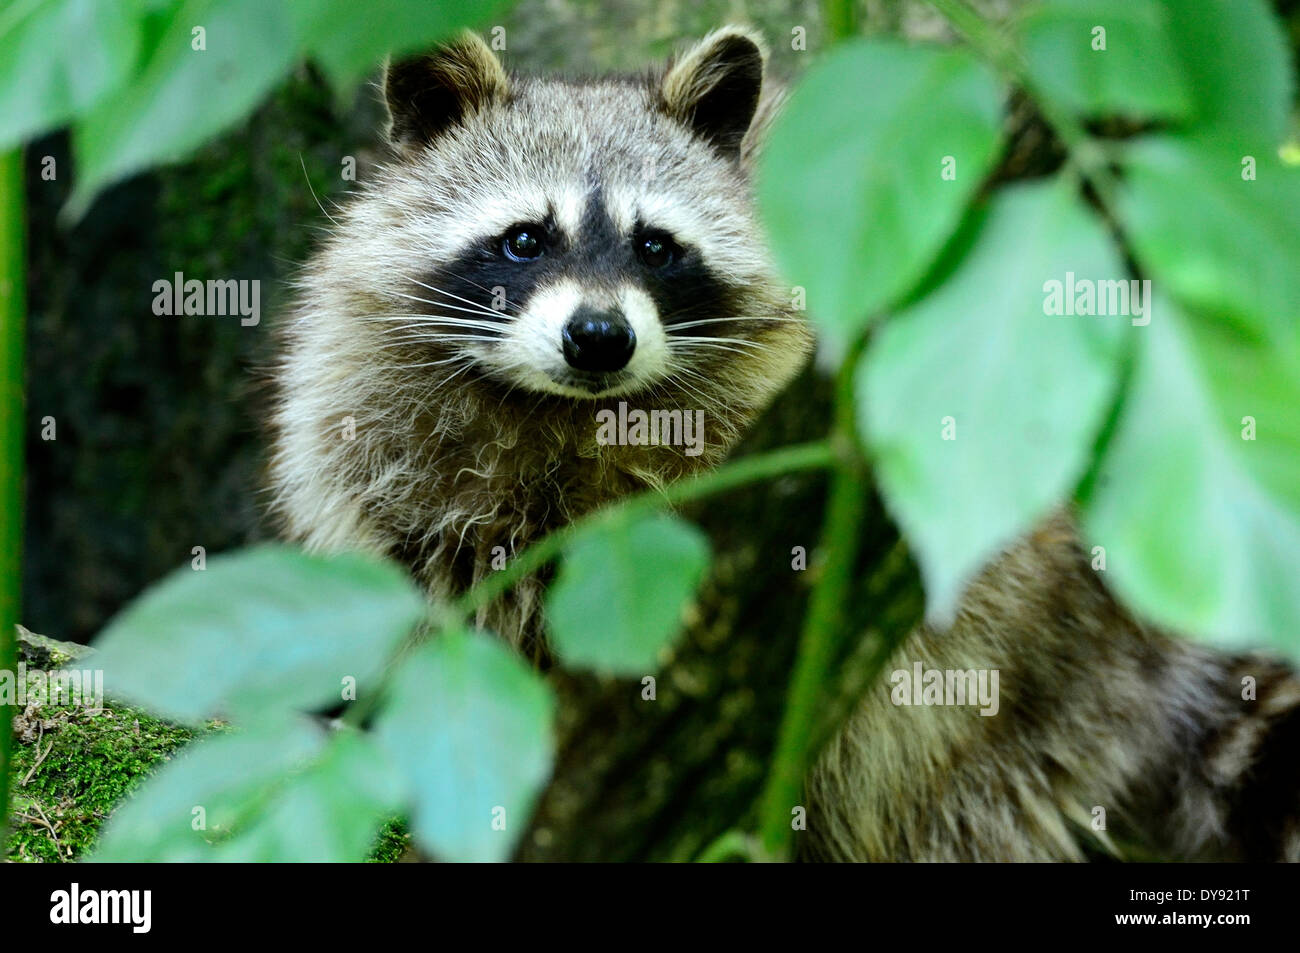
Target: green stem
{"points": [[826, 621], [841, 18], [994, 46], [732, 845], [12, 298]]}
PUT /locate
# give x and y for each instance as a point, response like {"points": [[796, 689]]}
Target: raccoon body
{"points": [[538, 251], [1110, 738]]}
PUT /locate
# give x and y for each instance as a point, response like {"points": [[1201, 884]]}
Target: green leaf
{"points": [[1027, 391], [184, 96], [329, 30], [1261, 381], [1235, 59], [470, 725], [1232, 252], [620, 593], [1138, 73], [228, 776], [852, 183], [1193, 539], [60, 57], [262, 630], [330, 812]]}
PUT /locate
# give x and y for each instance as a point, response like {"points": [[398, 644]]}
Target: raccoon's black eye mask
{"points": [[655, 248]]}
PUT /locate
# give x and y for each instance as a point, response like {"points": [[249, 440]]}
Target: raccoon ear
{"points": [[429, 93], [714, 87]]}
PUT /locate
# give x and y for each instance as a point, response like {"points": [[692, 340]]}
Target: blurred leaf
{"points": [[229, 776], [620, 592], [1251, 379], [1233, 252], [471, 727], [1137, 74], [1028, 390], [331, 812], [1193, 539], [264, 629], [851, 184], [330, 32], [183, 96], [58, 58], [1235, 59]]}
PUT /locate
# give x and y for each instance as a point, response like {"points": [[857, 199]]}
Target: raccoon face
{"points": [[580, 239]]}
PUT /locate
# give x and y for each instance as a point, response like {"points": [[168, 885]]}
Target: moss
{"points": [[392, 845], [71, 766]]}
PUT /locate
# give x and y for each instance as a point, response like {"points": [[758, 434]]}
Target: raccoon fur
{"points": [[538, 250]]}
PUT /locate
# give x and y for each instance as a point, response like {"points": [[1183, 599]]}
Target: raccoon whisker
{"points": [[416, 316], [432, 332], [423, 320], [416, 342], [410, 367], [409, 342], [468, 364], [477, 309], [436, 339], [456, 297], [303, 163], [709, 340], [671, 327], [687, 345], [438, 326], [682, 382], [415, 339], [707, 382]]}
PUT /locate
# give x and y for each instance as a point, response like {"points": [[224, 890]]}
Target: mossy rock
{"points": [[72, 764]]}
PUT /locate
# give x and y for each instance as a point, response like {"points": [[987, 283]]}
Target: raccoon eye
{"points": [[656, 250], [523, 244]]}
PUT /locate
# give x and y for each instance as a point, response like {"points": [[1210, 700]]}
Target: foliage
{"points": [[1177, 437], [131, 79]]}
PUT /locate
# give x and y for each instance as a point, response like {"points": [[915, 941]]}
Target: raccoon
{"points": [[535, 252]]}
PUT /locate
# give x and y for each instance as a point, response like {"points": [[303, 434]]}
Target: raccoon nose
{"points": [[598, 341]]}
